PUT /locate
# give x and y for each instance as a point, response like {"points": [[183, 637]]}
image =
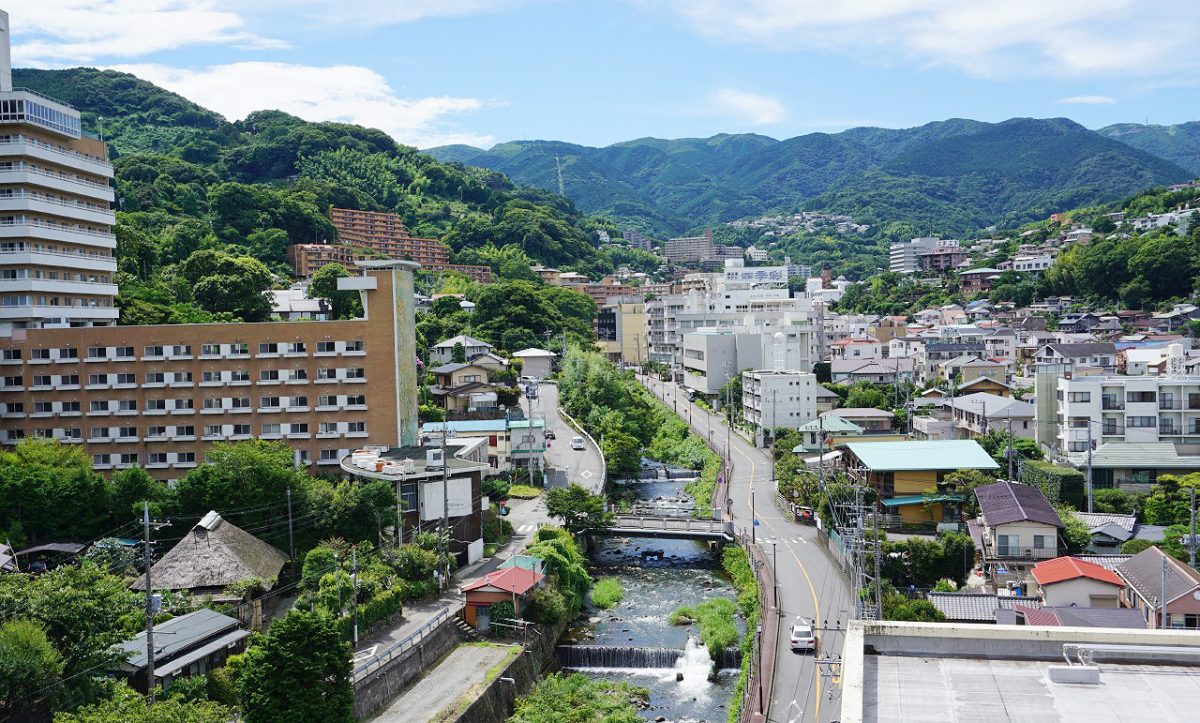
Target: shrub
{"points": [[715, 618], [547, 606], [524, 492], [607, 592], [502, 611]]}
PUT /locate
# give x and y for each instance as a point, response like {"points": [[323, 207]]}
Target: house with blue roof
{"points": [[909, 476]]}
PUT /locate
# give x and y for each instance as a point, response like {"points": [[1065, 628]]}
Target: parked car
{"points": [[577, 443], [549, 435], [804, 636]]}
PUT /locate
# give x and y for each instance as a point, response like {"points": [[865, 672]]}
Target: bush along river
{"points": [[636, 640]]}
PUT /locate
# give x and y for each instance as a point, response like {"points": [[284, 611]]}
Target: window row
{"points": [[175, 351], [187, 432]]}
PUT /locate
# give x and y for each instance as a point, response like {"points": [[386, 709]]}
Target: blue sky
{"points": [[599, 71]]}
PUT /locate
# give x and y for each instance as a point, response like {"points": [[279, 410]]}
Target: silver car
{"points": [[804, 635]]}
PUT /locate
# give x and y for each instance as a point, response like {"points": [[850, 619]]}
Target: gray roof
{"points": [[1144, 573], [1086, 617], [847, 366], [1094, 348], [862, 413], [214, 555], [993, 405], [178, 634], [1006, 502], [466, 341], [1152, 455], [1099, 519], [976, 607], [1108, 562], [1113, 530]]}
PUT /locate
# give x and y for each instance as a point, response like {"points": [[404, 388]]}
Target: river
{"points": [[635, 640]]}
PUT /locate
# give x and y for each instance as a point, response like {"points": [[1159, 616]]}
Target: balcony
{"points": [[1023, 553], [1112, 404], [1112, 430]]}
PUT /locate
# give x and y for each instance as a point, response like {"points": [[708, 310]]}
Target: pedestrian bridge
{"points": [[668, 526]]}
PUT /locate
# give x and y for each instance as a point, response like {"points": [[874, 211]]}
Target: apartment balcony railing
{"points": [[1169, 430], [1111, 404], [1112, 430], [1168, 404], [1024, 553]]}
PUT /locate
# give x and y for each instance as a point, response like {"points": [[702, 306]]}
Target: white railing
{"points": [[55, 149]]}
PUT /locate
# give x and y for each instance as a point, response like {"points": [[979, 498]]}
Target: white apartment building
{"points": [[905, 257], [1132, 410], [1034, 263], [774, 399], [711, 357], [56, 239]]}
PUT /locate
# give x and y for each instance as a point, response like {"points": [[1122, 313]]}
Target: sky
{"points": [[595, 72]]}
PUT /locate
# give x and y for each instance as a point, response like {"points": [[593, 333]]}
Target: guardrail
{"points": [[401, 646], [579, 428], [756, 696], [663, 522]]}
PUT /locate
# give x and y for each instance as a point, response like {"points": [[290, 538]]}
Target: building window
{"points": [[326, 347], [212, 430], [1141, 422], [239, 375], [241, 402], [241, 430], [1140, 396], [156, 431], [299, 428], [210, 376], [327, 401], [210, 349], [155, 378], [356, 427], [268, 348], [152, 351], [39, 354], [356, 345], [185, 458], [97, 352], [268, 375], [328, 428], [269, 402], [329, 455], [1039, 542], [356, 373], [39, 380], [157, 458], [270, 429], [357, 400]]}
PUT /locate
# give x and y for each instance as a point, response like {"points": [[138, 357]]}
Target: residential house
{"points": [[1110, 531], [975, 281], [1016, 527], [1080, 323], [984, 384], [856, 348], [495, 431], [1099, 354], [830, 428], [190, 644], [826, 400], [463, 388], [977, 607], [294, 304], [876, 371], [869, 419], [1155, 580], [888, 328], [509, 584], [212, 556], [1022, 613], [1176, 318], [443, 352], [538, 363], [909, 476], [977, 414], [1071, 582]]}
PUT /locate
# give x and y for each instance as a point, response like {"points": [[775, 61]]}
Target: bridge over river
{"points": [[668, 526]]}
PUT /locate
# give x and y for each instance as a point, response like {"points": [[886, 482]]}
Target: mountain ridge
{"points": [[668, 186]]}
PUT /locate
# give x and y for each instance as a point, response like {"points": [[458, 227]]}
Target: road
{"points": [[446, 690], [810, 583], [583, 467]]}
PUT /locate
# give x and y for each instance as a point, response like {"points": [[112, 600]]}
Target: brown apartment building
{"points": [[159, 396], [374, 235]]}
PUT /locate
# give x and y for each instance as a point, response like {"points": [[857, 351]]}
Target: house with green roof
{"points": [[909, 476]]}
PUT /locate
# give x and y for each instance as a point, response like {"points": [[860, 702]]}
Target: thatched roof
{"points": [[212, 556]]}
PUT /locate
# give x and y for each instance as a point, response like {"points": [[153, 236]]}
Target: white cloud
{"points": [[346, 93], [998, 38], [747, 107], [377, 12], [1089, 100], [79, 31]]}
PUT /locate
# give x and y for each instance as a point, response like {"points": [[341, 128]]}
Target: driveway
{"points": [[444, 691]]}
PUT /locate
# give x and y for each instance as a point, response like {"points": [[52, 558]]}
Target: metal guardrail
{"points": [[401, 646], [579, 428], [663, 522]]}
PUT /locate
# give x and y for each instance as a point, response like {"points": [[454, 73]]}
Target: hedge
{"points": [[1059, 484]]}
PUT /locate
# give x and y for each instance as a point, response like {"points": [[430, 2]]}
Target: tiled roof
{"points": [[1144, 573], [1062, 569], [1077, 617], [1108, 562], [516, 580], [1099, 519], [1006, 502], [965, 606]]}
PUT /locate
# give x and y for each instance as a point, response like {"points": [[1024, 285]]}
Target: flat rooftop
{"points": [[937, 690]]}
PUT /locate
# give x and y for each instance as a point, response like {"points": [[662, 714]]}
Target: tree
{"points": [[222, 282], [578, 509], [579, 699], [49, 490], [133, 486], [458, 354], [323, 285], [622, 455], [127, 706], [28, 663], [300, 671], [865, 396], [1075, 533]]}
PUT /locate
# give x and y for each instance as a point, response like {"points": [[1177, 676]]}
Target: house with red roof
{"points": [[509, 584], [1071, 582]]}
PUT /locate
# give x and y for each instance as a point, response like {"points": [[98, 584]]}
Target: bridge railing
{"points": [[659, 522]]}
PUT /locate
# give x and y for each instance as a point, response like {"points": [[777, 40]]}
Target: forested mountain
{"points": [[207, 208], [948, 177], [1179, 144]]}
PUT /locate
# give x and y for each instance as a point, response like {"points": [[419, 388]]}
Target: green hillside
{"points": [[207, 208], [950, 177], [1179, 144]]}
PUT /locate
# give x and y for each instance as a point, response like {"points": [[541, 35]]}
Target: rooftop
{"points": [[949, 454], [1006, 502], [1145, 572], [466, 341], [862, 413], [517, 580], [178, 634], [1062, 569]]}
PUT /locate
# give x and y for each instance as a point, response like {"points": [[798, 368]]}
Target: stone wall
{"points": [[497, 702]]}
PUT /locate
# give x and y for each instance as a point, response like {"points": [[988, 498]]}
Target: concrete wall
{"points": [[498, 700], [1081, 592], [377, 690]]}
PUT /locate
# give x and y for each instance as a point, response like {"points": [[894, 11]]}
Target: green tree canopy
{"points": [[299, 671]]}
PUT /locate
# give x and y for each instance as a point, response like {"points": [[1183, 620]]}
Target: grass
{"points": [[607, 592], [456, 710], [524, 492], [716, 620]]}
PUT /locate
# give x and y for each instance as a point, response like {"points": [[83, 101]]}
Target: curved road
{"points": [[810, 583]]}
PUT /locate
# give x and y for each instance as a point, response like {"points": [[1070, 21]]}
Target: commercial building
{"points": [[367, 235], [775, 399], [159, 396], [621, 331], [56, 221]]}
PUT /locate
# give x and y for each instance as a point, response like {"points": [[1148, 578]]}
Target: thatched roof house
{"points": [[212, 556]]}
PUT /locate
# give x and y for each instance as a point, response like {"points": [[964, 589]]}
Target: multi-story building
{"points": [[690, 250], [159, 396], [1131, 410], [56, 240], [946, 255], [905, 257], [775, 399], [621, 330], [365, 235]]}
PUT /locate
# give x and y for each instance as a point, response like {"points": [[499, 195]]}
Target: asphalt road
{"points": [[810, 583], [583, 467]]}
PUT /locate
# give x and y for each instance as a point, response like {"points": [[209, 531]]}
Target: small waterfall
{"points": [[730, 658], [616, 656]]}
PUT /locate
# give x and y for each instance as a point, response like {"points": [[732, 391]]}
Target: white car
{"points": [[577, 443], [804, 635]]}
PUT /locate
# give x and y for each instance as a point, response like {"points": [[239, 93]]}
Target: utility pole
{"points": [[774, 429], [753, 519], [445, 541], [1192, 528], [1010, 446], [1162, 611], [354, 587], [291, 540], [152, 601], [1089, 466]]}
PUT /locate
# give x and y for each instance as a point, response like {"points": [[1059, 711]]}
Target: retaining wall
{"points": [[498, 700], [376, 690]]}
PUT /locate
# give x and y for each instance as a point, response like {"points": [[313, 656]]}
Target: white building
{"points": [[905, 257], [538, 363], [1032, 263], [56, 222], [774, 399], [711, 357]]}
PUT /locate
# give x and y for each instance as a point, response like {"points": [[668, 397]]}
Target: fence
{"points": [[579, 428], [401, 646], [756, 696]]}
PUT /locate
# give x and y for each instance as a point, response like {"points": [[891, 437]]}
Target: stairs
{"points": [[466, 630]]}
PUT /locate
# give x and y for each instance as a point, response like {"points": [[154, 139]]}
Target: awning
{"points": [[907, 500], [170, 668]]}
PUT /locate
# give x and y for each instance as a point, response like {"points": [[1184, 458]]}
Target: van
{"points": [[576, 442]]}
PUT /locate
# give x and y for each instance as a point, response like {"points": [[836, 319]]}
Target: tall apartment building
{"points": [[1131, 410], [159, 396], [905, 257], [774, 399], [621, 330], [690, 250], [56, 240], [365, 235]]}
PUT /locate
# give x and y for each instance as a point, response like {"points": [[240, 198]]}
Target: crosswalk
{"points": [[526, 529], [767, 540]]}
